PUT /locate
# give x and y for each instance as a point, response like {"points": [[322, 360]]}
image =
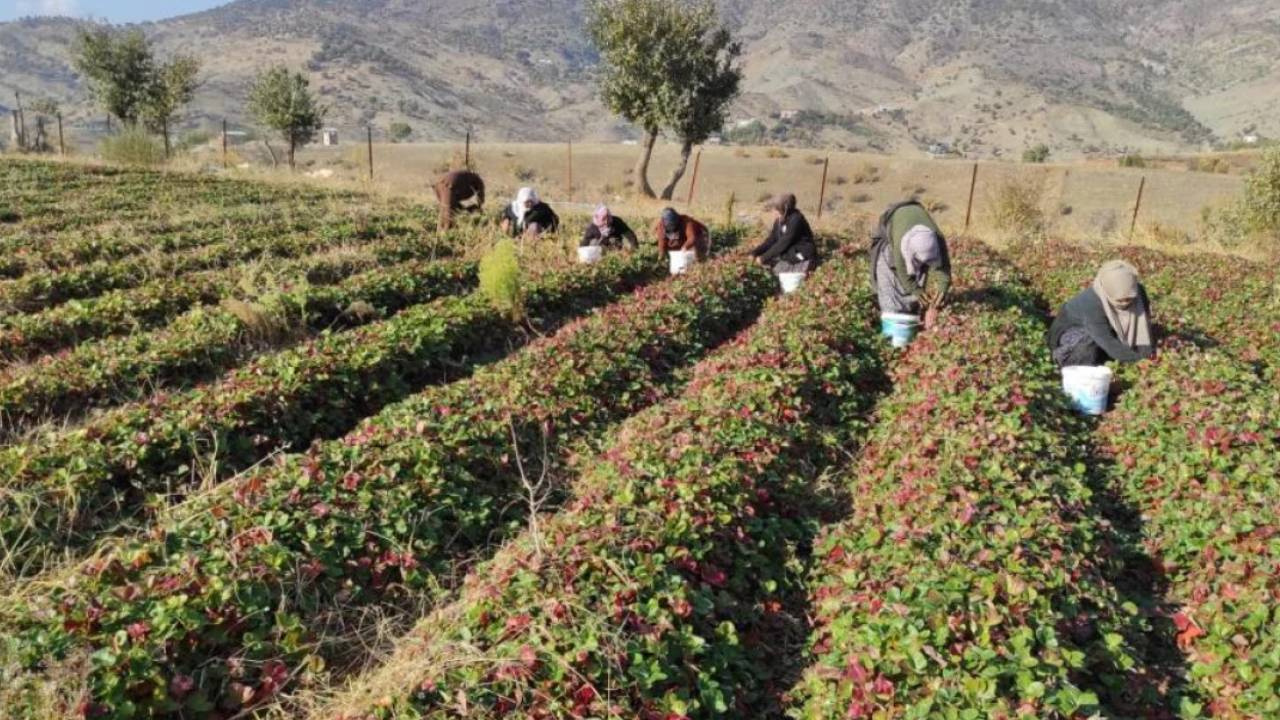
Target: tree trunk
{"points": [[642, 166], [685, 151], [292, 147], [164, 127], [270, 150]]}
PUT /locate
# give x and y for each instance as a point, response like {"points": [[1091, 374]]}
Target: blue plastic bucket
{"points": [[899, 328], [1088, 387]]}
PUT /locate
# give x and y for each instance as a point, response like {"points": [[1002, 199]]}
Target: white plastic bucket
{"points": [[590, 254], [681, 260], [790, 281], [900, 328], [1088, 387]]}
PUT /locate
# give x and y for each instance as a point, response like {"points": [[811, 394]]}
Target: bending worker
{"points": [[458, 191], [1109, 321], [609, 231], [527, 215], [910, 264], [789, 248], [681, 232]]}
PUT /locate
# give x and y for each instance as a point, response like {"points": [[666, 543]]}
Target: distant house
{"points": [[715, 140], [789, 114], [329, 137], [939, 150], [746, 123], [1249, 139]]}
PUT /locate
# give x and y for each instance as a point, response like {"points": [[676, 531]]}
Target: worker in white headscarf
{"points": [[910, 264], [1111, 320], [529, 216]]}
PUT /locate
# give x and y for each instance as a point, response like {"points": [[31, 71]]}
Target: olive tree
{"points": [[120, 67], [282, 101], [172, 87], [665, 65]]}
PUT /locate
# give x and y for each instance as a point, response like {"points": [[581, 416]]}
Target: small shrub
{"points": [[764, 197], [815, 160], [776, 154], [500, 279], [1065, 210], [133, 146], [523, 173], [1036, 154], [400, 132], [860, 198], [741, 153], [1132, 161], [840, 180], [1255, 218], [761, 179], [1015, 209], [934, 205], [868, 173], [9, 216]]}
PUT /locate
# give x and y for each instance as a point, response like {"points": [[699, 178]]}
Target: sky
{"points": [[117, 11]]}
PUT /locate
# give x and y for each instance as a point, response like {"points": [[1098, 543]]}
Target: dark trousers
{"points": [[1075, 347]]}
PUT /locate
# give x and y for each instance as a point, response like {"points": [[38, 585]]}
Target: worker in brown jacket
{"points": [[460, 190], [674, 231]]}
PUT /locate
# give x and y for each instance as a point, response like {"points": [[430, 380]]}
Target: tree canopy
{"points": [[282, 101]]}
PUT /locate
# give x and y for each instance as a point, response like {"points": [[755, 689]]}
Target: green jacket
{"points": [[902, 219]]}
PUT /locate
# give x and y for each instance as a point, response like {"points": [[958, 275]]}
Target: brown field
{"points": [[1082, 200]]}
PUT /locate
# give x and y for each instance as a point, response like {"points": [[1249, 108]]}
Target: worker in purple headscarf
{"points": [[910, 265], [609, 231]]}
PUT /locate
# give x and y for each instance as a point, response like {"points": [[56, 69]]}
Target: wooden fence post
{"points": [[369, 130], [62, 146], [224, 143], [822, 194], [466, 155], [1137, 205], [693, 183], [570, 190], [973, 183]]}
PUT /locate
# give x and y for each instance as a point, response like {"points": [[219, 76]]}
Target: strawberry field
{"points": [[269, 452]]}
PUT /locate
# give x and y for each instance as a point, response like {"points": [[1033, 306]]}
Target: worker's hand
{"points": [[760, 261], [930, 317]]}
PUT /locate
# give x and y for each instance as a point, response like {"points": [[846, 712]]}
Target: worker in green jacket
{"points": [[910, 265]]}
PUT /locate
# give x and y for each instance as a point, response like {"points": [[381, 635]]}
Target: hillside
{"points": [[988, 77]]}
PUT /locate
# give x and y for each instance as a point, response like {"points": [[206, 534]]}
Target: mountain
{"points": [[988, 77]]}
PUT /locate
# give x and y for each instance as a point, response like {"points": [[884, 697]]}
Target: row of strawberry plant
{"points": [[665, 588], [973, 576], [61, 490], [1195, 444], [41, 290], [154, 303], [1212, 298], [25, 253], [355, 522], [206, 342]]}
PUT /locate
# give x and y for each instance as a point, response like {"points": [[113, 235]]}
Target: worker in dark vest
{"points": [[789, 248], [527, 215], [910, 264], [458, 191], [1111, 320], [609, 231], [674, 231]]}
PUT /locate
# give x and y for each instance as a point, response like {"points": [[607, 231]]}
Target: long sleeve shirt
{"points": [[1085, 311], [693, 236], [902, 221], [790, 240]]}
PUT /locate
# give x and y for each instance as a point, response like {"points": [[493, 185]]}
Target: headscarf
{"points": [[670, 221], [920, 249], [785, 203], [517, 207], [603, 219], [1117, 286]]}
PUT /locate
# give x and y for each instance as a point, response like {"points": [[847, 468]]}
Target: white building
{"points": [[329, 137]]}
